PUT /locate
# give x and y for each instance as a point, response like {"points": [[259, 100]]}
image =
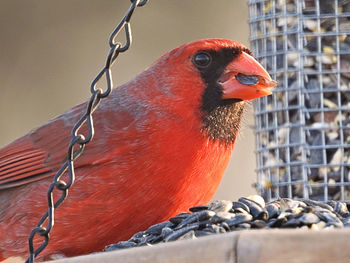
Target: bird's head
{"points": [[215, 76]]}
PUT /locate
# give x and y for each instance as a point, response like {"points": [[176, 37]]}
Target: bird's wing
{"points": [[41, 153], [38, 154], [22, 162]]}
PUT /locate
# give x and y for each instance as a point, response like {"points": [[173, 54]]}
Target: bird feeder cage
{"points": [[303, 129]]}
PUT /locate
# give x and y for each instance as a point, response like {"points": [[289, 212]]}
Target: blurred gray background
{"points": [[50, 50]]}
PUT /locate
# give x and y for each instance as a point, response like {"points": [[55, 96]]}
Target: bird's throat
{"points": [[223, 122]]}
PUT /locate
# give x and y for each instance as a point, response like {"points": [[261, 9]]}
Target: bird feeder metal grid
{"points": [[303, 129]]}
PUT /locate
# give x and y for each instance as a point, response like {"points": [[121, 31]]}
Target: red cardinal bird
{"points": [[162, 143]]}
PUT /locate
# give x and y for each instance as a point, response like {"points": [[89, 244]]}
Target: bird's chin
{"points": [[222, 122]]}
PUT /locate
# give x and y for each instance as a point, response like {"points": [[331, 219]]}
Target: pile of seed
{"points": [[303, 129], [247, 213]]}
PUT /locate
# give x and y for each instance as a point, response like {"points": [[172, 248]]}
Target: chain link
{"points": [[78, 140]]}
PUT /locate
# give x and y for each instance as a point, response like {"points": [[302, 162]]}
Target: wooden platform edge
{"points": [[253, 246]]}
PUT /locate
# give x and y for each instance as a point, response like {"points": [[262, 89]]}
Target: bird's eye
{"points": [[202, 59]]}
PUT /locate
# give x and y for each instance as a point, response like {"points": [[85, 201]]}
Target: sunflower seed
{"points": [[281, 213]]}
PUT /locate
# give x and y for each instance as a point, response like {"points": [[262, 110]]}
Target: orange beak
{"points": [[244, 78]]}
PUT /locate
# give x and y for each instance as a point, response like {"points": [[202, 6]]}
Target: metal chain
{"points": [[78, 140]]}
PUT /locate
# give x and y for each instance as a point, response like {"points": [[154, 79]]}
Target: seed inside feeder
{"points": [[303, 129]]}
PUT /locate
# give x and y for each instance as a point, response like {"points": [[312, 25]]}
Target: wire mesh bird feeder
{"points": [[303, 129]]}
